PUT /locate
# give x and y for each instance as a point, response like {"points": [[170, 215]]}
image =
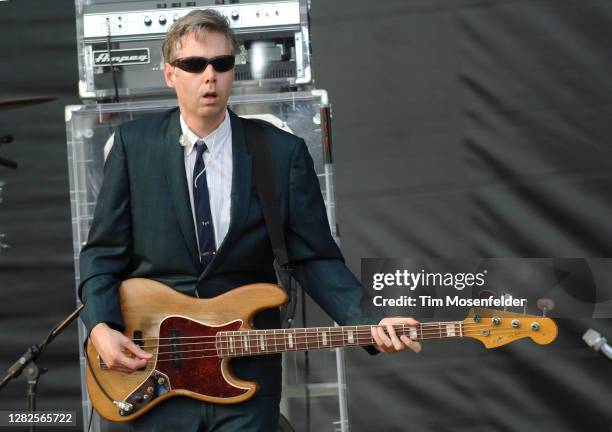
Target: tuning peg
{"points": [[545, 305]]}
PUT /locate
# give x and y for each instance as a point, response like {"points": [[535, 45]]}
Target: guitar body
{"points": [[166, 321]]}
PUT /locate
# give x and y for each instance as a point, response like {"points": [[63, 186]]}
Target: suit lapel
{"points": [[241, 191], [174, 164]]}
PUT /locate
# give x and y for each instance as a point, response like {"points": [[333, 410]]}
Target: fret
{"points": [[245, 342], [370, 338], [460, 324], [236, 343], [250, 343], [420, 327], [271, 341], [271, 344], [336, 337], [301, 341], [363, 335], [219, 345], [311, 339], [240, 343], [231, 343], [279, 336], [304, 338], [345, 336]]}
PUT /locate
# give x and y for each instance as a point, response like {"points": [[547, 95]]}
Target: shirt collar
{"points": [[213, 140]]}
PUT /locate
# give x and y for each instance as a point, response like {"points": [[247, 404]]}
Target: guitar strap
{"points": [[264, 182]]}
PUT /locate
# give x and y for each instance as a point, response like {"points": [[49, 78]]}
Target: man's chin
{"points": [[210, 111]]}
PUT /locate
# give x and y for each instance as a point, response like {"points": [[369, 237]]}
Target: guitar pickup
{"points": [[137, 338], [175, 342]]}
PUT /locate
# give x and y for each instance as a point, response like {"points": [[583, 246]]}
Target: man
{"points": [[178, 205]]}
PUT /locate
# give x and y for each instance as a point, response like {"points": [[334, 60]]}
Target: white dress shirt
{"points": [[218, 163]]}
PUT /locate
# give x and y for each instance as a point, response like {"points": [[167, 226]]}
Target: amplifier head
{"points": [[120, 44]]}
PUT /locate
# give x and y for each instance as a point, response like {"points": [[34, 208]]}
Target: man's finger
{"points": [[388, 344], [132, 363], [416, 347], [397, 344], [137, 351], [379, 344], [413, 345]]}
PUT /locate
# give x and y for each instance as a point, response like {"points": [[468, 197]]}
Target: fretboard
{"points": [[253, 342]]}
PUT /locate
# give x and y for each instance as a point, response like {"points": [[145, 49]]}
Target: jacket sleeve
{"points": [[318, 263], [105, 258]]}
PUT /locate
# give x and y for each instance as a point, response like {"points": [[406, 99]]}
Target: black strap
{"points": [[264, 181]]}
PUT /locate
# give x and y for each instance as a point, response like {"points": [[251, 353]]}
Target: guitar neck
{"points": [[252, 342]]}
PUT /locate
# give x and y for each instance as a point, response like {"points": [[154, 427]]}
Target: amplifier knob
{"points": [[175, 17], [148, 21], [162, 20], [235, 15]]}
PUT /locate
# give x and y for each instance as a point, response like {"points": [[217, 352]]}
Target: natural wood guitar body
{"points": [[144, 305]]}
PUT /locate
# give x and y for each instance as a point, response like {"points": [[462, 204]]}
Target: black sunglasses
{"points": [[198, 64]]}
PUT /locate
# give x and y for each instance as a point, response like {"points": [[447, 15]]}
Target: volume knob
{"points": [[148, 21], [235, 15], [162, 19]]}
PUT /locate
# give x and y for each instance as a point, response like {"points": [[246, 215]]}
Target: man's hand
{"points": [[114, 347], [388, 341]]}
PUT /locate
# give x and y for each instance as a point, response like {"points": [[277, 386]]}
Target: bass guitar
{"points": [[193, 340]]}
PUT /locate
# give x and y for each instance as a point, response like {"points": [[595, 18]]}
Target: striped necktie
{"points": [[201, 201]]}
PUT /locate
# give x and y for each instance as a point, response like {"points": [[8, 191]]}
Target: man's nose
{"points": [[209, 74]]}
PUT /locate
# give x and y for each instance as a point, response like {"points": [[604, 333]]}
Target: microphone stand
{"points": [[28, 362]]}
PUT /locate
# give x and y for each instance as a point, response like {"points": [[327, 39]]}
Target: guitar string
{"points": [[228, 355], [310, 334], [343, 328], [239, 347], [256, 344], [332, 333]]}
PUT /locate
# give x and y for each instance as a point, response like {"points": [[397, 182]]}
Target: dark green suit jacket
{"points": [[143, 227]]}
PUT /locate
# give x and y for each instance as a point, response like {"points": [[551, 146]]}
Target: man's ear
{"points": [[169, 75]]}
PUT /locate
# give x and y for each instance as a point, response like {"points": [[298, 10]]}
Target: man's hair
{"points": [[200, 23]]}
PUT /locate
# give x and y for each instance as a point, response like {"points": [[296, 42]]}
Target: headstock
{"points": [[495, 328]]}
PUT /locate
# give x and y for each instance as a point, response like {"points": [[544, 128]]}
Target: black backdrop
{"points": [[461, 128]]}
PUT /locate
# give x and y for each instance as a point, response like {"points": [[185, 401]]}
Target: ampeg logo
{"points": [[122, 57]]}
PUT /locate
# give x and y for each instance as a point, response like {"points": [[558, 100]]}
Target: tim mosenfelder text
{"points": [[459, 281]]}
